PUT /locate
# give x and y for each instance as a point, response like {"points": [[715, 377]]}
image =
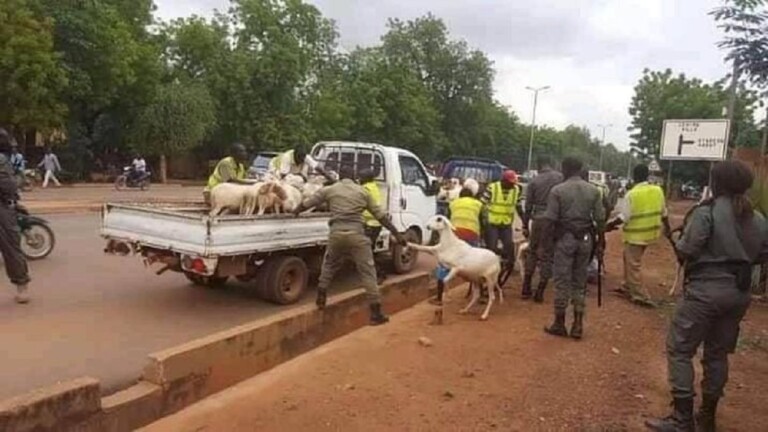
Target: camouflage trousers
{"points": [[10, 247], [354, 246], [570, 271], [709, 313]]}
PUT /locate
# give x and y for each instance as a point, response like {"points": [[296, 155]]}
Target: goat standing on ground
{"points": [[475, 265]]}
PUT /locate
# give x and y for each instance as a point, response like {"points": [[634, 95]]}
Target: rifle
{"points": [[673, 242]]}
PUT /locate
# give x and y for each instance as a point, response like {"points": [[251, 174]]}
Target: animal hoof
{"points": [[463, 312], [484, 318]]}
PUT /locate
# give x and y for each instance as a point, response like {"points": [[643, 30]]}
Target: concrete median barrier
{"points": [[179, 376]]}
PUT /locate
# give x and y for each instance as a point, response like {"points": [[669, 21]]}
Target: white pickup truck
{"points": [[274, 254]]}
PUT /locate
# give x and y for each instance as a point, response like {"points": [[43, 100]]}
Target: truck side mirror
{"points": [[434, 188]]}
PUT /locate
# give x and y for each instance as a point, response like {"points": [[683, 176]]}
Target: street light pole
{"points": [[602, 144], [533, 121]]}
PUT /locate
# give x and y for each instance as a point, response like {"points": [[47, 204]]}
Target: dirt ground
{"points": [[504, 374]]}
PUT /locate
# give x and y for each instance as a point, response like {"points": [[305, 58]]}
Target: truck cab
{"points": [[408, 191]]}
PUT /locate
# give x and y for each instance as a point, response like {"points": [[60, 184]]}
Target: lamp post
{"points": [[535, 91], [602, 144]]}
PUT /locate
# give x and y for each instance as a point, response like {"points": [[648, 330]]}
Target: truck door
{"points": [[416, 204]]}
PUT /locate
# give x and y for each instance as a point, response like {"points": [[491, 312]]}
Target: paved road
{"points": [[100, 315]]}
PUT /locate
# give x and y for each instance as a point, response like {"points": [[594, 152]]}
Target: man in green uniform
{"points": [[576, 217], [231, 169], [722, 241], [10, 237], [346, 201]]}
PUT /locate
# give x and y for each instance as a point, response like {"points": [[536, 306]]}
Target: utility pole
{"points": [[533, 121], [602, 144], [732, 100]]}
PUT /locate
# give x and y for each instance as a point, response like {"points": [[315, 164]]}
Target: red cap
{"points": [[509, 176]]}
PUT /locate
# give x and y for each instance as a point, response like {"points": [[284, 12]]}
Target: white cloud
{"points": [[592, 52]]}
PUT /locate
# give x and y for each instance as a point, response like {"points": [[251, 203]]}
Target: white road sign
{"points": [[694, 140], [654, 166]]}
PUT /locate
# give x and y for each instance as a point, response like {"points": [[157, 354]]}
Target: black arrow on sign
{"points": [[680, 144]]}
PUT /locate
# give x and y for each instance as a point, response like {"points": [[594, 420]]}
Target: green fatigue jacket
{"points": [[346, 201], [576, 204]]}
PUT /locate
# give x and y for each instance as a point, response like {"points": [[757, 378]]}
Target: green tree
{"points": [[176, 120], [31, 75]]}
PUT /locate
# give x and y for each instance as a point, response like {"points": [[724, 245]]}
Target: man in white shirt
{"points": [[296, 162], [139, 167]]}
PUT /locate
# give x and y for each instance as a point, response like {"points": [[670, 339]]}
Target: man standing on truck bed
{"points": [[296, 162], [346, 201], [231, 169], [10, 241], [541, 253], [501, 200]]}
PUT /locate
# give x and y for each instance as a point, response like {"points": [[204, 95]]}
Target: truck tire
{"points": [[404, 259], [285, 280], [206, 281]]}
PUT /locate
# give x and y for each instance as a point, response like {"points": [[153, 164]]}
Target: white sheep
{"points": [[475, 265], [228, 196], [251, 199], [296, 181], [450, 190]]}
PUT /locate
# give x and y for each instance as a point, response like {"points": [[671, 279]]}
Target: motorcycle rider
{"points": [[10, 237], [138, 168]]}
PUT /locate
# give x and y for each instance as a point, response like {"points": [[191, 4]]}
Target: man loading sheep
{"points": [[231, 169], [297, 162], [574, 209], [346, 201], [372, 225], [501, 200]]}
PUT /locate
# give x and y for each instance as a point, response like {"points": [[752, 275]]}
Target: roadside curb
{"points": [[180, 376]]}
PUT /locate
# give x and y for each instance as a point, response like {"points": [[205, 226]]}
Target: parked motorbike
{"points": [[130, 180], [37, 238]]}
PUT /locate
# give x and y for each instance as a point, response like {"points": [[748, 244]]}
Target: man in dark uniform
{"points": [[576, 217], [10, 239], [536, 196], [346, 201], [722, 241]]}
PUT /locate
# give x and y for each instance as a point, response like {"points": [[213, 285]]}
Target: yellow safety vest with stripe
{"points": [[646, 210], [372, 189], [277, 160], [501, 209], [237, 168], [465, 213]]}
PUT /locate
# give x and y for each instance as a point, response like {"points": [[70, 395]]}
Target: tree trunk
{"points": [[163, 169]]}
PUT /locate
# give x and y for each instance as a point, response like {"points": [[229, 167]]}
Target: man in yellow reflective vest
{"points": [[372, 225], [297, 162], [231, 169], [644, 215], [502, 202], [464, 213]]}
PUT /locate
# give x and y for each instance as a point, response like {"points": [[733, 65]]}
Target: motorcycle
{"points": [[37, 238], [130, 180]]}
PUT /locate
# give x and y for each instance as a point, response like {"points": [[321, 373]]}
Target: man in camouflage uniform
{"points": [[574, 213], [10, 239], [540, 253], [346, 201], [722, 241]]}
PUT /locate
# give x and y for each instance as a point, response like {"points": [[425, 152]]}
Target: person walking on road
{"points": [[50, 164], [10, 238], [501, 201], [372, 225], [231, 169], [644, 214], [722, 241], [540, 254], [576, 217], [19, 164], [346, 201]]}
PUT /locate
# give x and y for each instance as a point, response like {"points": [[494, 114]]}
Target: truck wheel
{"points": [[404, 259], [206, 281], [286, 280]]}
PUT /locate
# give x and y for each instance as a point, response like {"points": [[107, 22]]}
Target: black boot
{"points": [[322, 298], [526, 294], [539, 296], [705, 418], [558, 327], [577, 329], [377, 318], [681, 419]]}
